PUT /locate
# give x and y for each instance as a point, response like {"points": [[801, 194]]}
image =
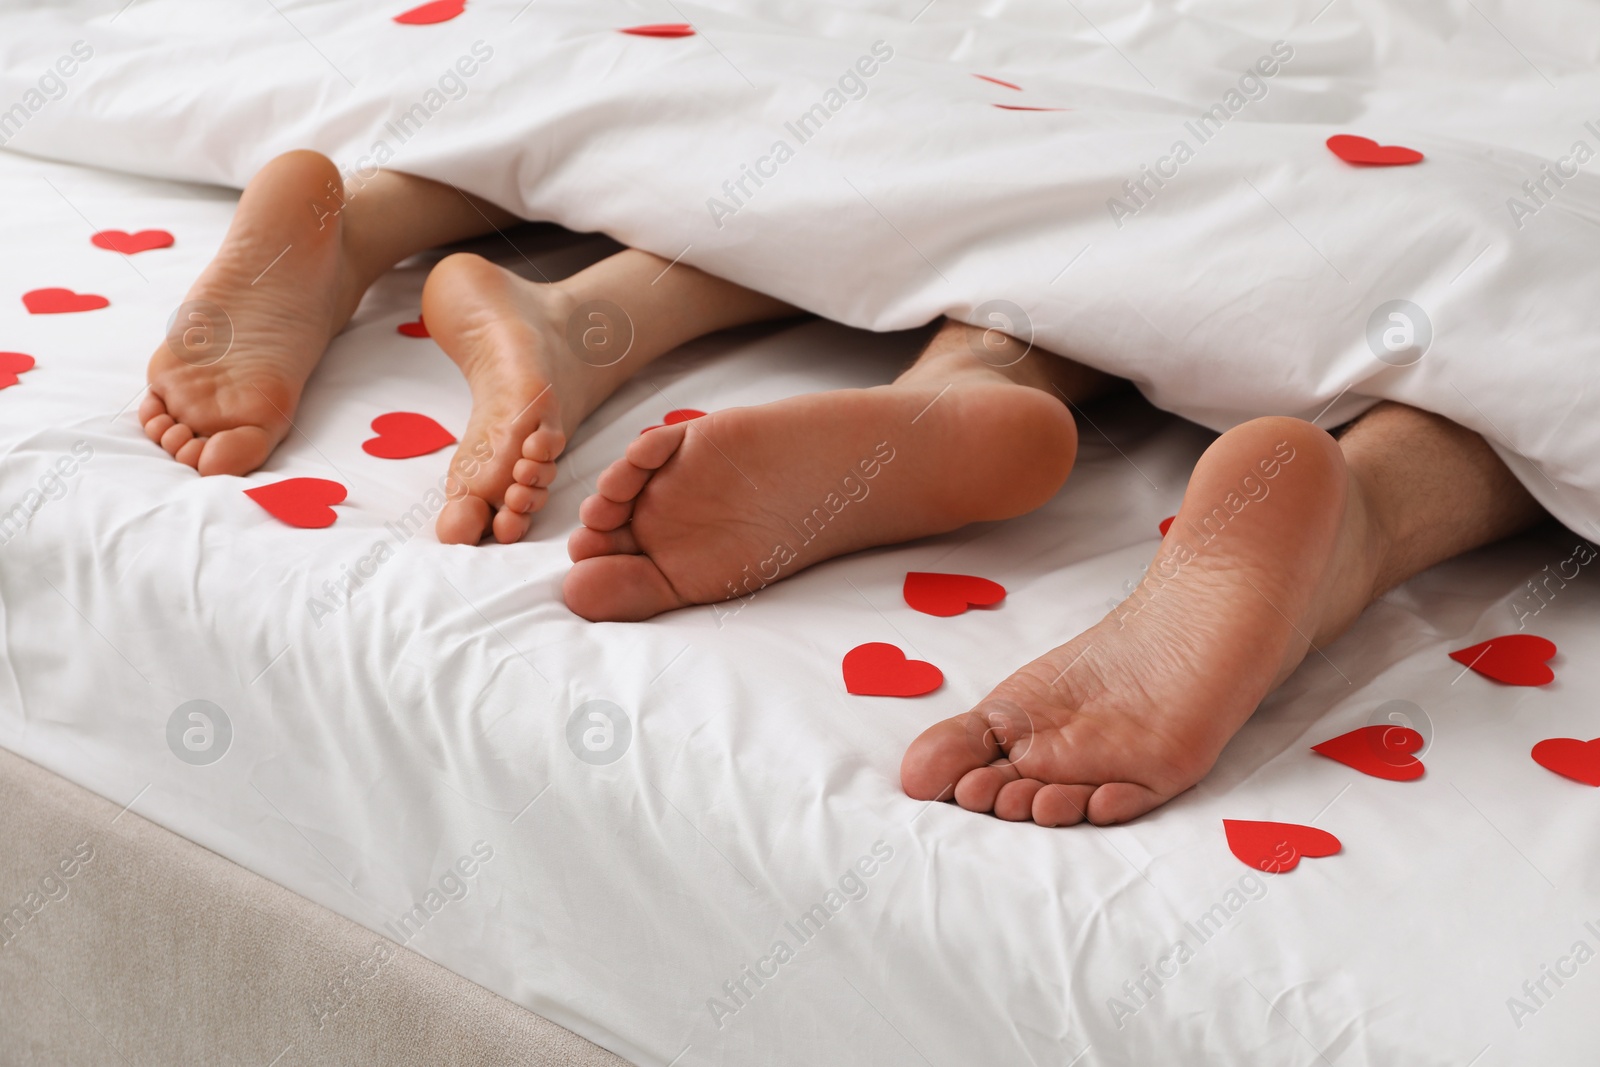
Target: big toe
{"points": [[237, 451], [1117, 802], [614, 588], [462, 521], [944, 753]]}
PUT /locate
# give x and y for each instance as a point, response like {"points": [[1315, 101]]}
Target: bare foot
{"points": [[508, 336], [722, 506], [281, 286], [1274, 548]]}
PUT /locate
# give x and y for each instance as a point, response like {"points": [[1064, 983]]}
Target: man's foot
{"points": [[721, 506], [1275, 548], [508, 336], [280, 287]]}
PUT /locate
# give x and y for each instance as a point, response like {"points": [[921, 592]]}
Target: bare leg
{"points": [[1284, 537], [723, 506], [297, 258], [540, 358]]}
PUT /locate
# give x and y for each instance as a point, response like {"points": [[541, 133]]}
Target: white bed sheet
{"points": [[372, 752]]}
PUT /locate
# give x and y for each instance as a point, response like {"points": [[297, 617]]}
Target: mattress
{"points": [[213, 964], [727, 871]]}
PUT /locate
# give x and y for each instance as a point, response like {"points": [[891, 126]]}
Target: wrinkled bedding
{"points": [[414, 748]]}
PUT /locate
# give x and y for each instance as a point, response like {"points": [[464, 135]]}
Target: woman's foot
{"points": [[224, 386], [508, 336], [722, 506], [1275, 550]]}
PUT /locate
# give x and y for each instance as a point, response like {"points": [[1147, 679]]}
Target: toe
{"points": [[534, 474], [1015, 800], [654, 447], [544, 444], [150, 407], [943, 753], [586, 543], [462, 521], [509, 526], [157, 425], [237, 451], [1117, 802], [524, 500], [622, 481], [977, 789], [189, 454], [619, 589], [1061, 805], [598, 513], [176, 437]]}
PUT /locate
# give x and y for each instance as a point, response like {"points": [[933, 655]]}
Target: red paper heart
{"points": [[882, 670], [945, 595], [1166, 524], [11, 365], [1515, 659], [1381, 751], [662, 29], [997, 81], [428, 14], [59, 301], [1570, 758], [675, 416], [131, 243], [1276, 847], [405, 434], [303, 502], [1369, 153], [414, 329]]}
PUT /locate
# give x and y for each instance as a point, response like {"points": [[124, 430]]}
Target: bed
{"points": [[368, 827]]}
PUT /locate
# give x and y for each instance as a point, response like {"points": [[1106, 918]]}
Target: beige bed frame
{"points": [[124, 944]]}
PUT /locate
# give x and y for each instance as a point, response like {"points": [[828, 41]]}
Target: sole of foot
{"points": [[224, 385], [722, 506], [1273, 549], [508, 336]]}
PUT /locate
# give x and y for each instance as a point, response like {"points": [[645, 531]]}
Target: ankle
{"points": [[1363, 568], [951, 366], [1381, 524]]}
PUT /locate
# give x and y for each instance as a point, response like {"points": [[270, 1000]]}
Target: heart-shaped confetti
{"points": [[1369, 153], [878, 669], [1381, 751], [945, 595], [131, 243], [1276, 847], [429, 14], [414, 329], [1570, 758], [404, 435], [662, 29], [61, 301], [13, 364], [1514, 659], [997, 81], [303, 502], [1166, 524]]}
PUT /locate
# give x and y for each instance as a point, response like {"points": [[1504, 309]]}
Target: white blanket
{"points": [[1179, 222]]}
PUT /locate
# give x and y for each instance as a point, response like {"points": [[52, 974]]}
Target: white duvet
{"points": [[1179, 221], [746, 883]]}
